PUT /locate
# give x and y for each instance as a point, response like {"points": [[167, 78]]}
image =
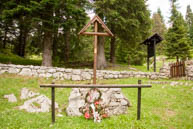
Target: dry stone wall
{"points": [[189, 69], [75, 74]]}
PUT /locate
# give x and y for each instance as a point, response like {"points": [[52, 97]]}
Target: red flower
{"points": [[96, 103], [104, 116], [87, 115]]}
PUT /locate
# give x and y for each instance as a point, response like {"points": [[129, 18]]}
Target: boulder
{"points": [[11, 98], [37, 104], [111, 98], [13, 70], [76, 77], [26, 72], [26, 93]]}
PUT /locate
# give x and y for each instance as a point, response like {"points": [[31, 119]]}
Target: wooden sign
{"points": [[151, 48]]}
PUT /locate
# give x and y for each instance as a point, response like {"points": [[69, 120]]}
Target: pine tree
{"points": [[189, 21], [159, 27], [178, 44], [18, 12], [129, 21]]}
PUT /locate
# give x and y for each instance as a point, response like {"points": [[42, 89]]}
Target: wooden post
{"points": [[53, 105], [154, 45], [95, 52], [139, 102]]}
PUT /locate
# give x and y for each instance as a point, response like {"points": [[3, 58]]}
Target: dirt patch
{"points": [[170, 113]]}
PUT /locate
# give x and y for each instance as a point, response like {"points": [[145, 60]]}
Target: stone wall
{"points": [[189, 70], [75, 74]]}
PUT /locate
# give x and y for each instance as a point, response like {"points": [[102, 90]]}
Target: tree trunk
{"points": [[101, 60], [55, 41], [23, 30], [177, 59], [67, 46], [47, 49], [5, 36], [112, 51]]}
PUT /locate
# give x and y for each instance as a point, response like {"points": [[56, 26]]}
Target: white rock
{"points": [[26, 93], [51, 70], [48, 75], [59, 115], [67, 76], [41, 71], [76, 77], [124, 102], [11, 98], [3, 71], [111, 98], [119, 96], [86, 76], [13, 70], [57, 75], [25, 72], [68, 70], [38, 104], [76, 72]]}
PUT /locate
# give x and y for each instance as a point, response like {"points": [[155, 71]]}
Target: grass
{"points": [[7, 57], [163, 107]]}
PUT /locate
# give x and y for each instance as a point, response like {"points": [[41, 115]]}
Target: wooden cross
{"points": [[96, 20]]}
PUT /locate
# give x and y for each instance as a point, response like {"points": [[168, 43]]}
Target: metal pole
{"points": [[154, 45], [139, 102], [95, 52], [53, 105]]}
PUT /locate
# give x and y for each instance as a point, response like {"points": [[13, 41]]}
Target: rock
{"points": [[11, 98], [38, 104], [57, 75], [41, 71], [173, 83], [111, 98], [48, 75], [124, 102], [59, 115], [114, 104], [67, 76], [51, 70], [3, 71], [13, 70], [26, 93], [86, 76], [119, 96], [25, 72], [76, 72], [76, 78], [68, 70]]}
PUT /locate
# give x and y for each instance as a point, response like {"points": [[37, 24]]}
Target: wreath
{"points": [[93, 108]]}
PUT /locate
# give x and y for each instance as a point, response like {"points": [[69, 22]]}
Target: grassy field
{"points": [[163, 107]]}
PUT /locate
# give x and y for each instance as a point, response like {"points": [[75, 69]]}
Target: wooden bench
{"points": [[139, 86]]}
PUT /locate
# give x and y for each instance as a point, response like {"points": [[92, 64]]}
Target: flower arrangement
{"points": [[93, 108]]}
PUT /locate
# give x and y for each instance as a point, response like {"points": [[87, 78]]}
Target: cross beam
{"points": [[96, 20]]}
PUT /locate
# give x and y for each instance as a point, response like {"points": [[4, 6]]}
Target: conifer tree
{"points": [[130, 22], [189, 21], [178, 44]]}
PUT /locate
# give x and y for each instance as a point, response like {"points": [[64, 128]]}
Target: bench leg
{"points": [[53, 105], [139, 102]]}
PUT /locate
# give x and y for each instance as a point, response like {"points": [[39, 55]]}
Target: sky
{"points": [[164, 5]]}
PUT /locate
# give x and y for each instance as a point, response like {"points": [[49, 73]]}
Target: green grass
{"points": [[163, 107], [7, 57]]}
